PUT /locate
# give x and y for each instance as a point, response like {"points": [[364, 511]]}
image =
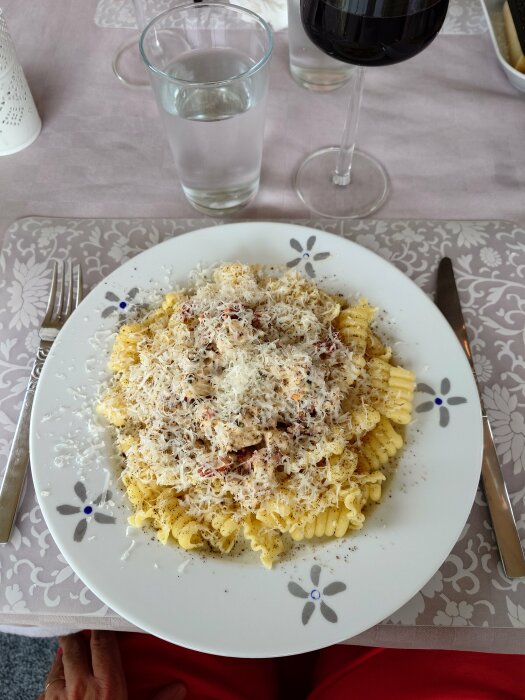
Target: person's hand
{"points": [[92, 670]]}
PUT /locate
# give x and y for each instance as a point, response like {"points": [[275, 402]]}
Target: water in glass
{"points": [[309, 66], [206, 124]]}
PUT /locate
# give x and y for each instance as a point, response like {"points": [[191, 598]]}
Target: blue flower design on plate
{"points": [[440, 401], [315, 595], [306, 255], [119, 305], [87, 509]]}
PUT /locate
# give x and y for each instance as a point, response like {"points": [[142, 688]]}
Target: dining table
{"points": [[100, 183]]}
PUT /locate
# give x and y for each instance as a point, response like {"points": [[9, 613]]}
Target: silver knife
{"points": [[503, 522]]}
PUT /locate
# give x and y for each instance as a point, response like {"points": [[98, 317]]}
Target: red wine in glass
{"points": [[372, 32], [343, 182]]}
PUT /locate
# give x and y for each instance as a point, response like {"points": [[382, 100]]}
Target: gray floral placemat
{"points": [[470, 589], [463, 17]]}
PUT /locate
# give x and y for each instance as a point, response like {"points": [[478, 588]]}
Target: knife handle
{"points": [[503, 523]]}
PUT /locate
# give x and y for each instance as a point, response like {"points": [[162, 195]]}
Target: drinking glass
{"points": [[127, 64], [208, 63], [343, 182], [310, 67]]}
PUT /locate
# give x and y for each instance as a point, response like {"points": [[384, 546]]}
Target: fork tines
{"points": [[69, 294]]}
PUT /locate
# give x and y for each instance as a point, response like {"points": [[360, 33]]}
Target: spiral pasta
{"points": [[254, 407]]}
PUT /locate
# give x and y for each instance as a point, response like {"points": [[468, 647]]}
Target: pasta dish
{"points": [[254, 405]]}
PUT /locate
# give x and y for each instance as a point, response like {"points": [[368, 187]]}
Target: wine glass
{"points": [[343, 182], [127, 64]]}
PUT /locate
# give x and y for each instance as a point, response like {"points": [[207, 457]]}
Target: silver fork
{"points": [[57, 313]]}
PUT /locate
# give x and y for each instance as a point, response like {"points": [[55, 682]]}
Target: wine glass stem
{"points": [[343, 166]]}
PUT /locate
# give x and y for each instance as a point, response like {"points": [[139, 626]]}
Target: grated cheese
{"points": [[256, 404], [234, 391]]}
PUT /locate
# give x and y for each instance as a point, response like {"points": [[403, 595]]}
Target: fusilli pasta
{"points": [[254, 406]]}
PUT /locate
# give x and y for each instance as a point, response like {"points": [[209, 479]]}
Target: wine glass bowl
{"points": [[372, 32], [342, 182]]}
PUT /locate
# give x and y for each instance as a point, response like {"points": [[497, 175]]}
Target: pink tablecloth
{"points": [[447, 125]]}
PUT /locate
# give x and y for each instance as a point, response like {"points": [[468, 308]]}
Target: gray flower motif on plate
{"points": [[440, 401], [87, 509], [306, 255], [315, 596], [119, 304]]}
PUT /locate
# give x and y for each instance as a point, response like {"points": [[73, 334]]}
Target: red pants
{"points": [[336, 673]]}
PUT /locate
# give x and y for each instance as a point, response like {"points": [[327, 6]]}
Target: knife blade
{"points": [[503, 522]]}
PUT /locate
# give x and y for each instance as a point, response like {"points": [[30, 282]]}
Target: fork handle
{"points": [[503, 523], [18, 459]]}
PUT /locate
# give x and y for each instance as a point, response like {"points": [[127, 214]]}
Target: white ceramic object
{"points": [[493, 10], [232, 605], [19, 120]]}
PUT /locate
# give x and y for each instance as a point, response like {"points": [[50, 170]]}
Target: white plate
{"points": [[233, 606]]}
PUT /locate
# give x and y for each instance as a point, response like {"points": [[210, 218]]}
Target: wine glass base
{"points": [[128, 66], [367, 192]]}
